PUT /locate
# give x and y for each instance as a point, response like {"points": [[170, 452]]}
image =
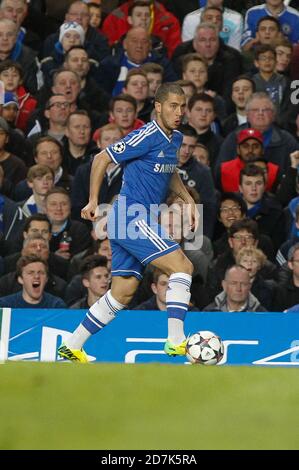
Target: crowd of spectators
{"points": [[76, 76]]}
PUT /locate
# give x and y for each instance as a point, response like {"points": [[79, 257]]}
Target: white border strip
{"points": [[5, 330]]}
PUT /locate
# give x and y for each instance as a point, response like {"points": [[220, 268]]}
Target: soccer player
{"points": [[149, 158]]}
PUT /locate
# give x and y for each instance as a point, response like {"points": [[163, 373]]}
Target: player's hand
{"points": [[89, 211]]}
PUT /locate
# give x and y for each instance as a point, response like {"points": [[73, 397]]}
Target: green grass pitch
{"points": [[117, 406]]}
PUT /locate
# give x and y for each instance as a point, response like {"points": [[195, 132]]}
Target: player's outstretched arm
{"points": [[178, 187], [98, 170]]}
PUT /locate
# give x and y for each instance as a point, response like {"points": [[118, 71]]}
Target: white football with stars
{"points": [[204, 347]]}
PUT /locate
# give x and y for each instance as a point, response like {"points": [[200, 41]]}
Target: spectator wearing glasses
{"points": [[242, 233], [232, 208], [267, 79], [67, 83], [53, 119], [261, 115]]}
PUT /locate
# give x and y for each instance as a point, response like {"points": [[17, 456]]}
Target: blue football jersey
{"points": [[149, 159], [288, 19]]}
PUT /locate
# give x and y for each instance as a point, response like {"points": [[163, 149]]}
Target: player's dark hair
{"points": [[91, 262], [25, 260], [244, 224], [38, 218], [165, 89]]}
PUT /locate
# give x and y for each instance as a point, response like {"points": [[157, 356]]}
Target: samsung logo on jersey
{"points": [[164, 167]]}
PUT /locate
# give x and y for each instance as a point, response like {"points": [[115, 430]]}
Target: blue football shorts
{"points": [[136, 239]]}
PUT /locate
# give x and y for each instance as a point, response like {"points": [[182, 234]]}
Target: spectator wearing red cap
{"points": [[249, 147], [278, 143]]}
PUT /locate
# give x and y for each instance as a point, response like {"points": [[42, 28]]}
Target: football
{"points": [[204, 347]]}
